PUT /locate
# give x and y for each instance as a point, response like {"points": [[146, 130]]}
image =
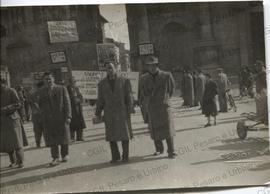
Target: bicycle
{"points": [[231, 100]]}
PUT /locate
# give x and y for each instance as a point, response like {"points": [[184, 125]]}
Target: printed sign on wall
{"points": [[62, 31]]}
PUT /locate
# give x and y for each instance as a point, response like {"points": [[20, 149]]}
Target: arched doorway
{"points": [[174, 46]]}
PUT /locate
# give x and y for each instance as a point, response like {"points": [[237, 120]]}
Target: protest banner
{"points": [[87, 81], [134, 80]]}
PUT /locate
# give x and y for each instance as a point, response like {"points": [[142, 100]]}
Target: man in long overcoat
{"points": [[222, 84], [22, 102], [36, 114], [189, 89], [11, 128], [143, 100], [200, 85], [115, 99], [209, 106], [195, 80], [261, 90], [260, 78], [55, 106], [77, 122], [159, 87], [183, 87]]}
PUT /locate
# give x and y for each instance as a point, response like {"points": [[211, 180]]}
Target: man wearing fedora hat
{"points": [[158, 86]]}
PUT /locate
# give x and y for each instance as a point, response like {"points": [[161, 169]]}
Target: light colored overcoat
{"points": [[11, 133], [55, 110], [117, 106]]}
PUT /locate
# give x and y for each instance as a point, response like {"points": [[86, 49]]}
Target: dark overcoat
{"points": [[200, 85], [11, 126], [143, 100], [195, 80], [183, 87], [260, 81], [189, 90], [116, 103], [33, 101], [76, 99], [159, 89], [209, 106], [21, 111], [222, 85], [55, 110]]}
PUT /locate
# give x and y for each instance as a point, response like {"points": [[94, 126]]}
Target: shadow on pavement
{"points": [[14, 171], [177, 115], [261, 167], [248, 148], [143, 129], [229, 118], [73, 170], [103, 134]]}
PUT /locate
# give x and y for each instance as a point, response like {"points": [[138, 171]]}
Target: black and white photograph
{"points": [[134, 96]]}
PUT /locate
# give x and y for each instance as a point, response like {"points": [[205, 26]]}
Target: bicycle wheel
{"points": [[232, 103]]}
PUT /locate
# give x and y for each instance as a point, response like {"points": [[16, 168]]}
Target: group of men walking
{"points": [[115, 99], [193, 87], [56, 113], [57, 110]]}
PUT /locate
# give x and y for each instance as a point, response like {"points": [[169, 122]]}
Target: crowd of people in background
{"points": [[57, 114], [193, 84]]}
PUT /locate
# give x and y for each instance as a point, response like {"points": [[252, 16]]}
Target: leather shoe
{"points": [[21, 165], [12, 165], [207, 125], [157, 153], [55, 162], [172, 155], [114, 160], [65, 159], [124, 160]]}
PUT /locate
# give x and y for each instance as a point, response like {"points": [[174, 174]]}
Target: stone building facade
{"points": [[26, 42], [207, 35]]}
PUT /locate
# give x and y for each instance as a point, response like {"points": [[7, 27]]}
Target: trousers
{"points": [[115, 151]]}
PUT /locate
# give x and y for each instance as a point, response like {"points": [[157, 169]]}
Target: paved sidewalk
{"points": [[212, 156]]}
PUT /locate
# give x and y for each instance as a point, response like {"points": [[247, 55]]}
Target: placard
{"points": [[107, 53]]}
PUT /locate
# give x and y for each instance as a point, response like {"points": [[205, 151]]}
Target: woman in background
{"points": [[209, 106]]}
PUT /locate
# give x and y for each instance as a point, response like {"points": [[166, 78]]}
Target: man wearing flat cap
{"points": [[158, 86]]}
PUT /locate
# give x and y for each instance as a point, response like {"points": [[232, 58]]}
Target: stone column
{"points": [[142, 23], [138, 32], [206, 51], [244, 37], [206, 32]]}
